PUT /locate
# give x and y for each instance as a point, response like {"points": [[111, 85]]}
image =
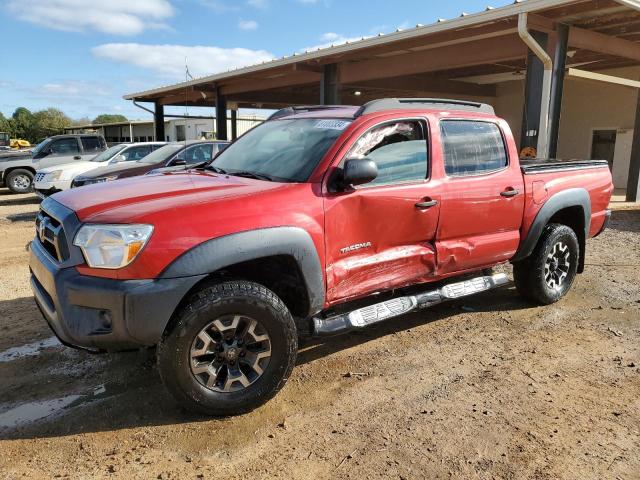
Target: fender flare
{"points": [[218, 253], [573, 197]]}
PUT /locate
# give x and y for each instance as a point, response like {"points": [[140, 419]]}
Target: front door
{"points": [[482, 196], [381, 235], [62, 150]]}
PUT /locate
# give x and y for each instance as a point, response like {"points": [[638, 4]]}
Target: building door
{"points": [[603, 146]]}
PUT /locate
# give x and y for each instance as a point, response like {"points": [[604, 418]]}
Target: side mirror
{"points": [[119, 158], [178, 161], [357, 171]]}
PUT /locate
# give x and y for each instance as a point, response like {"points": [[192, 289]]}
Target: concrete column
{"points": [[533, 95], [234, 124], [557, 87], [221, 117], [130, 132], [633, 183], [330, 85], [158, 121]]}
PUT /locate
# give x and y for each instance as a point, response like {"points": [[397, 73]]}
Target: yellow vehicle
{"points": [[14, 143], [17, 143]]}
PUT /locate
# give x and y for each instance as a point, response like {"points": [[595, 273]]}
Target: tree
{"points": [[5, 124], [50, 122], [109, 118], [23, 124]]}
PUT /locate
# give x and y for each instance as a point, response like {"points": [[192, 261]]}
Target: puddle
{"points": [[48, 409], [30, 412], [28, 350]]}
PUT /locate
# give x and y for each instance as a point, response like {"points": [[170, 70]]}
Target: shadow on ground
{"points": [[124, 390]]}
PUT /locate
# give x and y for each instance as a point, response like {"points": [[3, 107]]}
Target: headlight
{"points": [[53, 176], [112, 246]]}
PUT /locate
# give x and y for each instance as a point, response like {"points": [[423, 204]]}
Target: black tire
{"points": [[234, 298], [533, 281], [16, 181]]}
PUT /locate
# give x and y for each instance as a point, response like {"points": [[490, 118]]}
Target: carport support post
{"points": [[557, 87], [633, 183], [221, 117], [533, 95], [234, 124], [158, 120], [330, 85]]}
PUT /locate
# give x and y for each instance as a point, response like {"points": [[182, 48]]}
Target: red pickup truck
{"points": [[321, 220]]}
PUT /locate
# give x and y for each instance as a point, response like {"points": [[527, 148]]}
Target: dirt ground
{"points": [[488, 387]]}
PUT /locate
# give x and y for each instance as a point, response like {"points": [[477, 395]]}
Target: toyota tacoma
{"points": [[319, 221]]}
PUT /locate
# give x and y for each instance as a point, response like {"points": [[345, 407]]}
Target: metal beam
{"points": [[221, 117], [498, 49], [158, 121], [557, 88], [633, 181], [601, 77], [598, 42], [330, 85], [286, 79], [428, 83], [234, 124]]}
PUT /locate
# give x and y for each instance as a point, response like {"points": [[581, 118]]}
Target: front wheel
{"points": [[232, 348], [548, 273], [20, 180]]}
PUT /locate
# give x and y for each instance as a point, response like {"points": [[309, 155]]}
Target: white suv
{"points": [[54, 179]]}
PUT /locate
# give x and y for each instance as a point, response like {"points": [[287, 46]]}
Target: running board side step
{"points": [[395, 307]]}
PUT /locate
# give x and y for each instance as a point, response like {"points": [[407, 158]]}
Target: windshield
{"points": [[38, 148], [162, 154], [108, 153], [284, 150]]}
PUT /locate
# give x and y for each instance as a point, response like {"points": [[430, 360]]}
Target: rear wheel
{"points": [[20, 181], [548, 273], [232, 348]]}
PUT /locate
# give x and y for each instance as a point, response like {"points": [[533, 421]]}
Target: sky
{"points": [[82, 56]]}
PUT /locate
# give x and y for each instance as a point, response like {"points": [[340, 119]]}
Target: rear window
{"points": [[472, 147], [91, 144]]}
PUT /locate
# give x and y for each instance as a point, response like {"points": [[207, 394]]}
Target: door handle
{"points": [[426, 204], [77, 157], [510, 192]]}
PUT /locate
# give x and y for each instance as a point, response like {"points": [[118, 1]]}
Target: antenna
{"points": [[187, 75]]}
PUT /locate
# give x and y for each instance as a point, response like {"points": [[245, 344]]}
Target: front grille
{"points": [[40, 176], [50, 233]]}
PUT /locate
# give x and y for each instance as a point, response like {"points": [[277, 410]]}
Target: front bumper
{"points": [[103, 314], [44, 189]]}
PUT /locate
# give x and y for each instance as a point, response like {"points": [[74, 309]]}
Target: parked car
{"points": [[54, 179], [177, 154], [220, 145], [18, 168], [319, 221]]}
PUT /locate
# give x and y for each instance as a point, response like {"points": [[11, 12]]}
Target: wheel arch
{"points": [[570, 207], [275, 257]]}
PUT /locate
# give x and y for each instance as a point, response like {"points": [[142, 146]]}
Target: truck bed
{"points": [[543, 165]]}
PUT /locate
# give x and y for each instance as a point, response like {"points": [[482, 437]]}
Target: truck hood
{"points": [[18, 155], [138, 199]]}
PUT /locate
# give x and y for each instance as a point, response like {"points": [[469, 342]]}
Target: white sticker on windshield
{"points": [[332, 124]]}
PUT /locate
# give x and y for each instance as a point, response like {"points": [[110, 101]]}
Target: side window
{"points": [[65, 146], [472, 147], [136, 153], [91, 144], [197, 154], [399, 150]]}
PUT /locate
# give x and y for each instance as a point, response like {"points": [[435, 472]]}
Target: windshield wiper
{"points": [[209, 166], [248, 174]]}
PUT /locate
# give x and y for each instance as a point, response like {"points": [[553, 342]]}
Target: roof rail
{"points": [[285, 112], [423, 103]]}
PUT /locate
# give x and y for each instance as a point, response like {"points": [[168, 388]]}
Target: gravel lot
{"points": [[488, 387]]}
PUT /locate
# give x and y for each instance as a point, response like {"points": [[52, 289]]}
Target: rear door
{"points": [[136, 152], [381, 235], [482, 196], [91, 146], [61, 150]]}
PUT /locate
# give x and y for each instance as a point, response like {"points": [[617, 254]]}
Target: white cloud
{"points": [[117, 17], [247, 24], [74, 88], [262, 4], [168, 60]]}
